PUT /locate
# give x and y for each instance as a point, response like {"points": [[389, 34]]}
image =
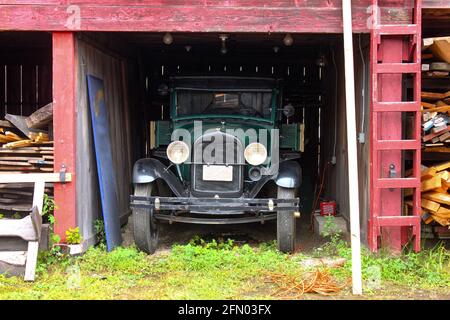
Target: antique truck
{"points": [[228, 155]]}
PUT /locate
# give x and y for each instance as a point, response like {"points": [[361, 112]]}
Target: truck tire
{"points": [[144, 225], [285, 223]]}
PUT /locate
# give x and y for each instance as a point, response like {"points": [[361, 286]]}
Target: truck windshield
{"points": [[252, 104]]}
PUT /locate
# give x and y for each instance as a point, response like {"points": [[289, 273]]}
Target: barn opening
{"points": [[134, 66], [25, 86], [25, 72]]}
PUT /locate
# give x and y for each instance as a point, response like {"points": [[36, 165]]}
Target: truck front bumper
{"points": [[214, 210]]}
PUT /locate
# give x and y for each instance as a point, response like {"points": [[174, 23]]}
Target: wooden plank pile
{"points": [[436, 104], [436, 57], [25, 147], [435, 194]]}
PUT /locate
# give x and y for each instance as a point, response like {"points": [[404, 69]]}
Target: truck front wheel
{"points": [[285, 222], [144, 224]]}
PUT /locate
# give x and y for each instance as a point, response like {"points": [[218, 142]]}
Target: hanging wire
{"points": [[363, 95], [335, 101]]}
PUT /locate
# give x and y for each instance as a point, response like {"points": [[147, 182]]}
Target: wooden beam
{"points": [[32, 177], [313, 16], [64, 119]]}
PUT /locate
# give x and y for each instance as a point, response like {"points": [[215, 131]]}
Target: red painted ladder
{"points": [[386, 220]]}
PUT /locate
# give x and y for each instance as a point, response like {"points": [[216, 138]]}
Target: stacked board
{"points": [[18, 197], [436, 103], [25, 147], [435, 185], [435, 177], [27, 159]]}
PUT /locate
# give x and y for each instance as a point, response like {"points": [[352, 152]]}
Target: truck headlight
{"points": [[177, 152], [255, 153]]}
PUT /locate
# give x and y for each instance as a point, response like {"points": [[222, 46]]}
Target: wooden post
{"points": [[64, 126], [353, 187], [390, 86]]}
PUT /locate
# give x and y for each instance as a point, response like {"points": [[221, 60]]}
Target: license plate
{"points": [[218, 173]]}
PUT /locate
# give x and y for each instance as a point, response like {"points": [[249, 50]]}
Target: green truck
{"points": [[228, 155]]}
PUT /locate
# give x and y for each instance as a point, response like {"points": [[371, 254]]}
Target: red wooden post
{"points": [[64, 126], [390, 86]]}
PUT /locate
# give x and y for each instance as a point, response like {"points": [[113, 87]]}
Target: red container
{"points": [[328, 208]]}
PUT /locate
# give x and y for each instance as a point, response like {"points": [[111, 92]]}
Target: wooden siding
{"points": [[336, 176], [315, 16], [93, 60]]}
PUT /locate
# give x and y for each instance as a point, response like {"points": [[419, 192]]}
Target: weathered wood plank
{"points": [[20, 123], [22, 228], [32, 177], [287, 16], [41, 117], [211, 3], [30, 266]]}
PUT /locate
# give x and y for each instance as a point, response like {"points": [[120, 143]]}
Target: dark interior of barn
{"points": [[134, 65], [303, 69]]}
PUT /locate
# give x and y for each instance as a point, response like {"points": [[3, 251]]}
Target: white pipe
{"points": [[352, 147]]}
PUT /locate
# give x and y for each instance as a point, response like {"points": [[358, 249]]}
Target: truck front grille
{"points": [[218, 149]]}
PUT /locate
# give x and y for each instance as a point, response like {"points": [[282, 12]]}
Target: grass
{"points": [[214, 270], [428, 269]]}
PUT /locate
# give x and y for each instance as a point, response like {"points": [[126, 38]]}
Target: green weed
{"points": [[73, 236], [100, 231]]}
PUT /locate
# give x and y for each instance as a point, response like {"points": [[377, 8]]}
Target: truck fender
{"points": [[289, 174], [148, 170]]}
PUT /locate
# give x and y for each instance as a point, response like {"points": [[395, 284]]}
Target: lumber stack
{"points": [[25, 147], [435, 184], [436, 102], [18, 197]]}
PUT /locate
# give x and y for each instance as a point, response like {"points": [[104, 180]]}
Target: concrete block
{"points": [[329, 224]]}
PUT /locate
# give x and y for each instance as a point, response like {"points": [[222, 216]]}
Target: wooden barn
{"points": [[48, 47]]}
